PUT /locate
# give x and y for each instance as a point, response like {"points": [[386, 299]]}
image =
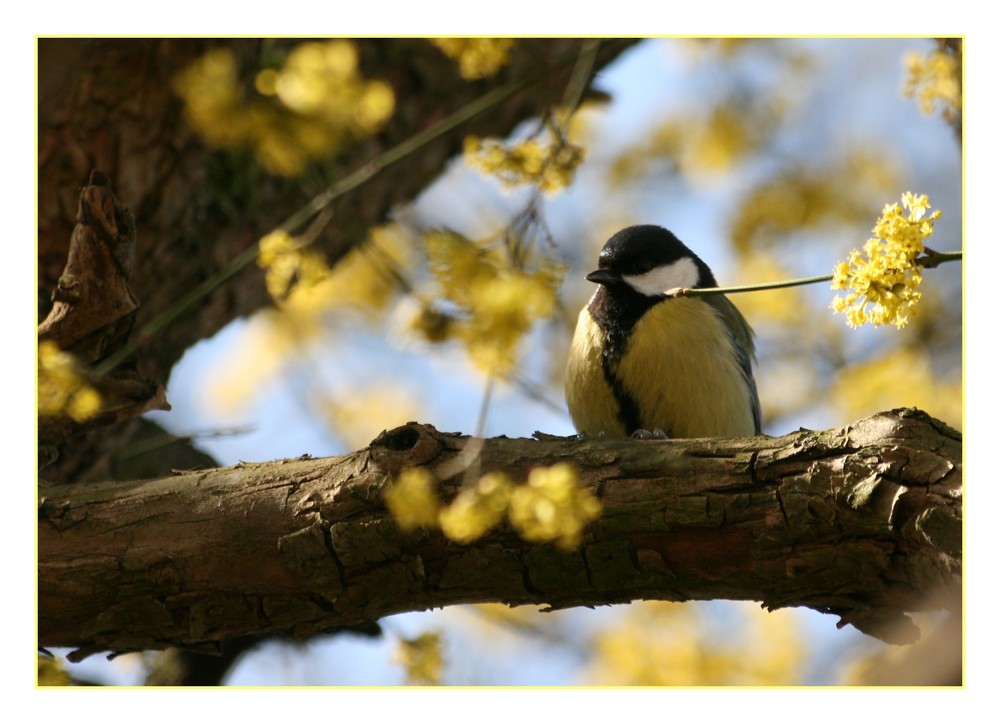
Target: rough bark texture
{"points": [[863, 522]]}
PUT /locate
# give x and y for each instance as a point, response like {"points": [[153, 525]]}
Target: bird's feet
{"points": [[654, 434]]}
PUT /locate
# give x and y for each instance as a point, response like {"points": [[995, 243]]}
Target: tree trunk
{"points": [[863, 522]]}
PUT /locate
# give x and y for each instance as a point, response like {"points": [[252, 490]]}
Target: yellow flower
{"points": [[552, 506], [883, 283], [285, 260], [717, 143], [305, 110], [360, 411], [412, 501], [62, 386], [477, 509], [656, 643], [496, 301], [502, 312], [897, 378], [421, 658], [51, 672], [550, 166], [477, 57], [210, 90], [934, 80]]}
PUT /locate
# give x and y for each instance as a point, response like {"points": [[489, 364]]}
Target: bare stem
{"points": [[929, 261]]}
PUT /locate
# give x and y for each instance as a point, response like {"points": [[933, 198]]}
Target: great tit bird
{"points": [[642, 361]]}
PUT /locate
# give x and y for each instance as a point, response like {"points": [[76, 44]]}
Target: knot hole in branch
{"points": [[399, 439], [409, 446]]}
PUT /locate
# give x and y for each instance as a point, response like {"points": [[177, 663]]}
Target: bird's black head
{"points": [[650, 260]]}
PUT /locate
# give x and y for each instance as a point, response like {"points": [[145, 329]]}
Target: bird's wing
{"points": [[743, 337]]}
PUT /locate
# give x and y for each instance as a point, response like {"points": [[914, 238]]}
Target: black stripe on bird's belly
{"points": [[616, 313]]}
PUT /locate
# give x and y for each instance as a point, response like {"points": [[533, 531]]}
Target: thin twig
{"points": [[930, 261]]}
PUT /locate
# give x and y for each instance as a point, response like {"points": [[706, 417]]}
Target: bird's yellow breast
{"points": [[678, 366]]}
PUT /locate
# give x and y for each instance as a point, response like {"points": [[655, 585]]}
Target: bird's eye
{"points": [[642, 267]]}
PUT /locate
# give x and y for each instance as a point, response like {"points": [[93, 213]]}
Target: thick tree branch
{"points": [[863, 522]]}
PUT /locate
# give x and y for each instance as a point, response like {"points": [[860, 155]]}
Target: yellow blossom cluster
{"points": [[412, 500], [549, 165], [933, 79], [702, 144], [308, 292], [477, 57], [357, 413], [362, 280], [806, 197], [288, 262], [711, 48], [421, 659], [478, 509], [62, 386], [305, 110], [551, 506], [713, 145], [657, 643], [495, 301], [51, 672], [883, 283], [901, 377]]}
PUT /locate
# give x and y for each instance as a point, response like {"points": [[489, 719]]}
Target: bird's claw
{"points": [[654, 434]]}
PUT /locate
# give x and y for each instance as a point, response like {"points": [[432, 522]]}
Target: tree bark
{"points": [[863, 522]]}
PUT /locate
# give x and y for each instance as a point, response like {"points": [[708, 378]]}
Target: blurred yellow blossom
{"points": [[714, 145], [704, 144], [308, 108], [549, 165], [308, 293], [477, 57], [421, 658], [832, 194], [321, 80], [359, 413], [286, 261], [366, 279], [496, 301], [412, 499], [714, 48], [503, 310], [211, 93], [477, 509], [363, 280], [883, 284], [51, 672], [672, 644], [553, 507], [898, 378], [62, 385], [933, 79]]}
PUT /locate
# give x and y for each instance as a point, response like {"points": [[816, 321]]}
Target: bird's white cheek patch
{"points": [[682, 273]]}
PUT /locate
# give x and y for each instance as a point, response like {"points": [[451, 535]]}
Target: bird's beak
{"points": [[603, 276]]}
